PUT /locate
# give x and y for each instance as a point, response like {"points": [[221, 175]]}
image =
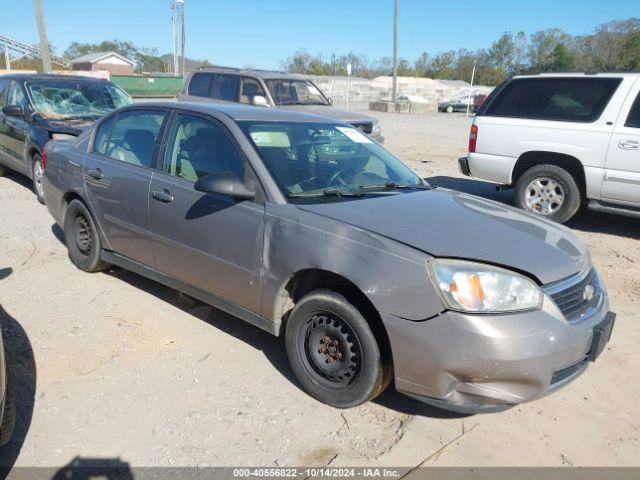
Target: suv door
{"points": [[621, 180], [117, 174], [13, 130], [211, 242]]}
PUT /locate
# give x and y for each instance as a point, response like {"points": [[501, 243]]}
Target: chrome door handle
{"points": [[629, 144], [96, 173], [162, 196]]}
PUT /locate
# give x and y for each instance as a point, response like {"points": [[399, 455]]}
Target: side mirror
{"points": [[224, 184], [260, 101], [13, 111]]}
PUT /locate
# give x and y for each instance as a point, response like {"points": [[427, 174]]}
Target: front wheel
{"points": [[548, 191], [38, 175], [450, 109], [82, 238], [333, 352]]}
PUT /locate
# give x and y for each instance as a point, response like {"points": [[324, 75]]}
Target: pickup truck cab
{"points": [[562, 141], [262, 88]]}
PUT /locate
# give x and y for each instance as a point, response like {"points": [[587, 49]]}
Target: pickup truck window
{"points": [[633, 120], [567, 99]]}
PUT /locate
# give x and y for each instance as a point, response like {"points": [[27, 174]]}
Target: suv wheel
{"points": [[37, 172], [82, 238], [549, 191], [333, 352]]}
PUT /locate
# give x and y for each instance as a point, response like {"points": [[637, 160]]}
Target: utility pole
{"points": [[42, 31], [394, 94], [174, 22], [182, 50], [7, 60]]}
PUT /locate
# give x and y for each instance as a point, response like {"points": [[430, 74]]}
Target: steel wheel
{"points": [[83, 234], [545, 196], [332, 349]]}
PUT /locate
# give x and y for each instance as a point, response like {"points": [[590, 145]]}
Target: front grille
{"points": [[567, 372], [366, 127], [577, 298]]}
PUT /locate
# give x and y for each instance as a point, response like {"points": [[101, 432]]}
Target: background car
{"points": [[272, 89], [38, 108], [457, 105], [562, 141]]}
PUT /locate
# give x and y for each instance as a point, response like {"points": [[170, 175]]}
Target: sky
{"points": [[262, 33]]}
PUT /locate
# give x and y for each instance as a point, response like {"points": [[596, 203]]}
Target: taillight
{"points": [[43, 160], [473, 138]]}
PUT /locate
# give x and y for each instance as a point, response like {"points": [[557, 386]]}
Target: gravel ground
{"points": [[114, 366]]}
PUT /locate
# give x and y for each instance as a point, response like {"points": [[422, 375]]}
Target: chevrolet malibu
{"points": [[309, 229]]}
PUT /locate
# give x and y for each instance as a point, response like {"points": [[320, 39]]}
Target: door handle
{"points": [[629, 144], [162, 196], [96, 173]]}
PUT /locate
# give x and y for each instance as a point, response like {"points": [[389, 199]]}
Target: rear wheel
{"points": [[549, 191], [38, 174], [333, 352], [82, 238]]}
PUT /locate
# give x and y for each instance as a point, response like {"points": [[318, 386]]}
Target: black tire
{"points": [[321, 329], [37, 177], [558, 181], [82, 238], [9, 413]]}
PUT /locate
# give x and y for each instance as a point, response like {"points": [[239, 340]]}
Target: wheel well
{"points": [[569, 163], [309, 280], [31, 153], [66, 200]]}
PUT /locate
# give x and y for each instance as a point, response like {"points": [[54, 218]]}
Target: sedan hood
{"points": [[444, 223], [347, 116]]}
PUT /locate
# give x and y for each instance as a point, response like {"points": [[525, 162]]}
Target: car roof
{"points": [[36, 77], [580, 75], [264, 74], [240, 112]]}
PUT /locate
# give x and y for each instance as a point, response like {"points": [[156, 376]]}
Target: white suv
{"points": [[562, 140]]}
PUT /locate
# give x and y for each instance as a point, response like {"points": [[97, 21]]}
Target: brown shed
{"points": [[112, 62]]}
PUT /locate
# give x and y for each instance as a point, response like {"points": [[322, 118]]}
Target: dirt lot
{"points": [[114, 366]]}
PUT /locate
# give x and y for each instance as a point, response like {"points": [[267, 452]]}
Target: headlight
{"points": [[376, 131], [62, 136], [478, 288]]}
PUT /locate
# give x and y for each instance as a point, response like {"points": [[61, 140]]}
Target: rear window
{"points": [[633, 120], [215, 85], [563, 99]]}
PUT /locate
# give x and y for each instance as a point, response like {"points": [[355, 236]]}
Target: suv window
{"points": [[16, 95], [215, 85], [198, 147], [633, 120], [132, 138], [250, 89], [564, 99]]}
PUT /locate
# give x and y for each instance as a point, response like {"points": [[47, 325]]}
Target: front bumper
{"points": [[486, 363]]}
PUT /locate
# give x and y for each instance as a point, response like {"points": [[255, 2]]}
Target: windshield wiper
{"points": [[393, 185], [327, 192]]}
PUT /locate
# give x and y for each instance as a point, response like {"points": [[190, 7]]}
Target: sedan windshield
{"points": [[317, 160], [75, 99], [295, 92]]}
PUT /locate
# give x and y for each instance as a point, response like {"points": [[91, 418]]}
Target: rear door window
{"points": [[633, 120], [563, 99], [220, 86], [132, 137]]}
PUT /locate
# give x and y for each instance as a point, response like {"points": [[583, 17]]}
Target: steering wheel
{"points": [[336, 177]]}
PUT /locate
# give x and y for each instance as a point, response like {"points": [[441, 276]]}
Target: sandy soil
{"points": [[114, 366]]}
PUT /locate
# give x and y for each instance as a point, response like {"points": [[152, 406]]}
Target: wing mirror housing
{"points": [[13, 111], [260, 101], [224, 184]]}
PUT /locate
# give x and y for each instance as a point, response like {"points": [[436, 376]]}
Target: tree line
{"points": [[613, 46]]}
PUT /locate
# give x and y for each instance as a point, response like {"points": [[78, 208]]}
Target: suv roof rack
{"points": [[236, 69]]}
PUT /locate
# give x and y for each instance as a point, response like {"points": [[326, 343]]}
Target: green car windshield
{"points": [[76, 99], [309, 160]]}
